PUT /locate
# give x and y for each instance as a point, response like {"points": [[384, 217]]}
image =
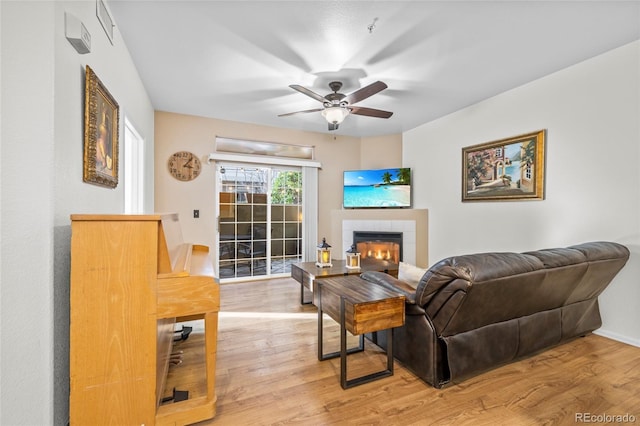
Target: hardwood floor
{"points": [[268, 374]]}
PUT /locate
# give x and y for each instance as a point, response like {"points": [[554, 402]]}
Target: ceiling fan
{"points": [[336, 106]]}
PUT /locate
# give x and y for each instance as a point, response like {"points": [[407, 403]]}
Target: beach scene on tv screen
{"points": [[377, 188]]}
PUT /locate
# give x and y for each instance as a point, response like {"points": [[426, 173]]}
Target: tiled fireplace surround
{"points": [[413, 223]]}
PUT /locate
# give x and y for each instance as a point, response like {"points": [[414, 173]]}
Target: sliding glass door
{"points": [[259, 220]]}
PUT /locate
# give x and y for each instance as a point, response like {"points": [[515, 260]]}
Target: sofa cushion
{"points": [[602, 250], [387, 281], [553, 258], [410, 274]]}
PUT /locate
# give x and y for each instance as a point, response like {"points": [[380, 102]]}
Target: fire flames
{"points": [[380, 250], [379, 254]]}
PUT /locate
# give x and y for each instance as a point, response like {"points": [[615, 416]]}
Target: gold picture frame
{"points": [[101, 129], [506, 169]]}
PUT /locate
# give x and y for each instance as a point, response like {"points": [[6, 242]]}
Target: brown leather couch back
{"points": [[467, 292]]}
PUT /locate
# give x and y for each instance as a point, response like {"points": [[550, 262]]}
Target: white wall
{"points": [[42, 89], [592, 113], [114, 67], [26, 168]]}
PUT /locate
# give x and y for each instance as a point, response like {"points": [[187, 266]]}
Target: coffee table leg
{"points": [[346, 384], [321, 355], [343, 346], [320, 324], [390, 350], [302, 302]]}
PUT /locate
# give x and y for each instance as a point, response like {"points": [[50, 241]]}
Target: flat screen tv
{"points": [[381, 188]]}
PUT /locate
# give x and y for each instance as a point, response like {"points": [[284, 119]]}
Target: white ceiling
{"points": [[234, 60]]}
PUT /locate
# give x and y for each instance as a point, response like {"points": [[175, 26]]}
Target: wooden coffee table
{"points": [[359, 307], [306, 273]]}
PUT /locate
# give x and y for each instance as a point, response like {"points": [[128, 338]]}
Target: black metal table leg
{"points": [[343, 346], [344, 382], [390, 350], [343, 352], [320, 337]]}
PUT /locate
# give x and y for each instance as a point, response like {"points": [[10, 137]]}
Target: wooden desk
{"points": [[306, 273], [360, 307]]}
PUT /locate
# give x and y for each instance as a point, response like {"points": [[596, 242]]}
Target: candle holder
{"points": [[323, 255], [353, 258]]}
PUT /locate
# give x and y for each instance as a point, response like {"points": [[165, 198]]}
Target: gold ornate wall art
{"points": [[101, 129], [506, 169]]}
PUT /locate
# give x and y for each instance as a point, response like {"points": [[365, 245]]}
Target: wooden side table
{"points": [[359, 307], [306, 273]]}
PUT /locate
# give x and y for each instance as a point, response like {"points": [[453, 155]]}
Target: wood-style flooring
{"points": [[268, 373]]}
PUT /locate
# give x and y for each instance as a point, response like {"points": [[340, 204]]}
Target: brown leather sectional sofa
{"points": [[472, 313]]}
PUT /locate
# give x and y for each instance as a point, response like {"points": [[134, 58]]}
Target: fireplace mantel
{"points": [[414, 223]]}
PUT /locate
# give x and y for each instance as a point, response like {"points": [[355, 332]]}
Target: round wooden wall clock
{"points": [[184, 166]]}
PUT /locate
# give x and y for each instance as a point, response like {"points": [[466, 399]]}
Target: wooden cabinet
{"points": [[132, 277]]}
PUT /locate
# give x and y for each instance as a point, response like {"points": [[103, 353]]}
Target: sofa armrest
{"points": [[387, 281]]}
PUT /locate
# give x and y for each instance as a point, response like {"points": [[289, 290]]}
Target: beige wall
{"points": [[381, 152], [176, 132]]}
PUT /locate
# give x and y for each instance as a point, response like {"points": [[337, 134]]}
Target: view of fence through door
{"points": [[260, 220]]}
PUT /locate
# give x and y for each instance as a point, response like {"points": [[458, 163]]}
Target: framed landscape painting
{"points": [[506, 169], [100, 133]]}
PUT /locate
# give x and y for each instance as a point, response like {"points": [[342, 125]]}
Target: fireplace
{"points": [[413, 223], [379, 245]]}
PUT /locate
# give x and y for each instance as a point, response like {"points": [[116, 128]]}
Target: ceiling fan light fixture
{"points": [[335, 115]]}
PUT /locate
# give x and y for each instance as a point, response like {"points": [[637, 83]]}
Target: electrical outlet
{"points": [[196, 214]]}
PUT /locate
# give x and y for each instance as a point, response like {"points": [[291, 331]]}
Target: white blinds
{"points": [[309, 212]]}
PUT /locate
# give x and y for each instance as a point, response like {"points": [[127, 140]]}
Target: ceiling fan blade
{"points": [[308, 92], [333, 126], [370, 112], [365, 92], [300, 112]]}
